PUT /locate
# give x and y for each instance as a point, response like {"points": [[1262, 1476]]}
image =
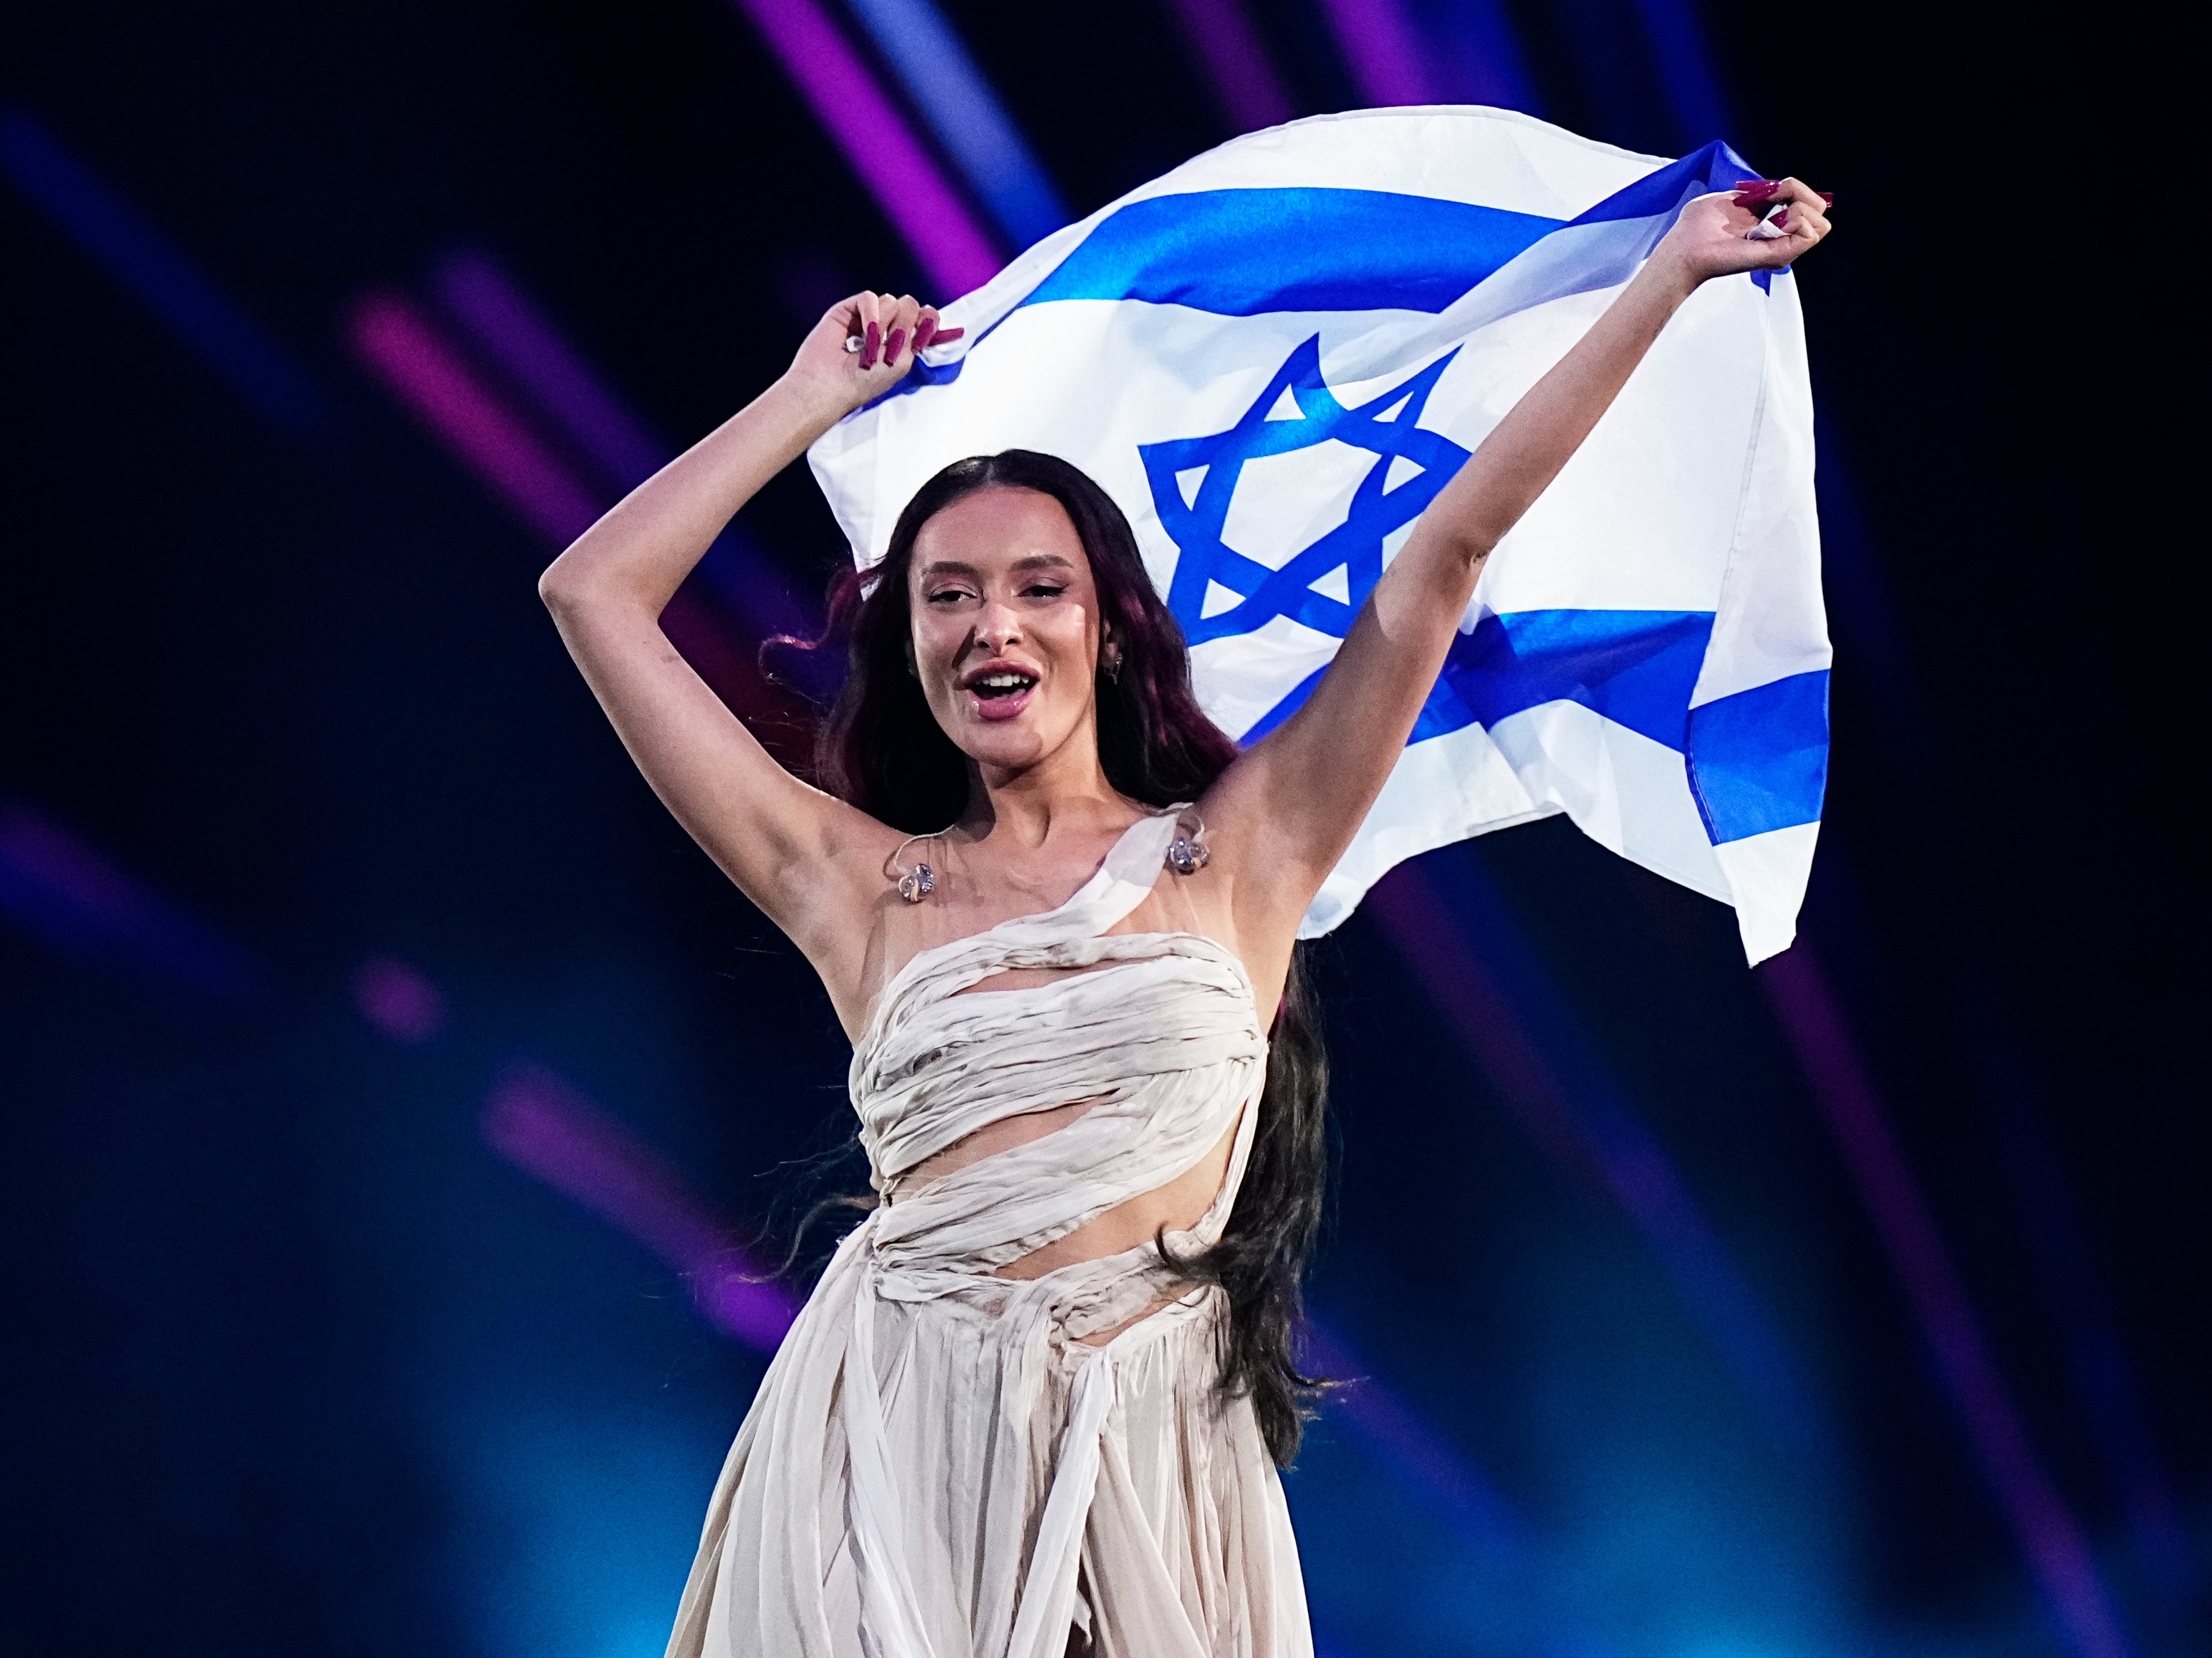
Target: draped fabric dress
{"points": [[938, 1465]]}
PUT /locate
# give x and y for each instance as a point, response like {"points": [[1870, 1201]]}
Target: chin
{"points": [[1010, 744], [1011, 750]]}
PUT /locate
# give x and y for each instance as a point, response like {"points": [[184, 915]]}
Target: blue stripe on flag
{"points": [[1700, 173], [1242, 253], [1245, 253], [1636, 668], [1759, 760]]}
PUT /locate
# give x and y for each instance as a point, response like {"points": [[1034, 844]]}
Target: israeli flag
{"points": [[1276, 355]]}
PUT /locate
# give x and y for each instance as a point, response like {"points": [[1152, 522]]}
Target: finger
{"points": [[1807, 222], [871, 329], [903, 325], [844, 317], [1801, 196]]}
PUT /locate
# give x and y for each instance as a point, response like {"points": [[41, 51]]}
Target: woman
{"points": [[1037, 1402]]}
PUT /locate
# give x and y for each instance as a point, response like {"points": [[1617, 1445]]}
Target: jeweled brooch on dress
{"points": [[1187, 853]]}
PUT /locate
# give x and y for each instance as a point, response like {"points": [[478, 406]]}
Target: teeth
{"points": [[1006, 682]]}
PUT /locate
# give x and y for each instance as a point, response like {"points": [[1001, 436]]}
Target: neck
{"points": [[1065, 789]]}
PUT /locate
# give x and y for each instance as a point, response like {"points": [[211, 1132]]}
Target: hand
{"points": [[889, 334], [1712, 235]]}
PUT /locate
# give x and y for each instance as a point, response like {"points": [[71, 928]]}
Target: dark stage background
{"points": [[385, 1075]]}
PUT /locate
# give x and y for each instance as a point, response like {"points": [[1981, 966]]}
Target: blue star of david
{"points": [[1386, 426]]}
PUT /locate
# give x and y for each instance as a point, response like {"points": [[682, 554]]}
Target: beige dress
{"points": [[937, 1464]]}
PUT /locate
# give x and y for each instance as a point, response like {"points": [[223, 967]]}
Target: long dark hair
{"points": [[882, 749]]}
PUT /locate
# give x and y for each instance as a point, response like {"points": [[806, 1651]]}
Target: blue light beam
{"points": [[197, 312], [966, 116]]}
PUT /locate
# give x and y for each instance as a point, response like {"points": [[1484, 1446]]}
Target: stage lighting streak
{"points": [[405, 349], [1811, 1016], [1814, 1025], [752, 584], [136, 255], [1861, 609], [769, 606], [1492, 66], [519, 337], [64, 893], [545, 1127], [1392, 1427], [695, 627], [1685, 73], [954, 252], [398, 344], [2103, 1378], [1381, 51], [1243, 78], [398, 1001], [514, 333], [943, 82], [1515, 1027]]}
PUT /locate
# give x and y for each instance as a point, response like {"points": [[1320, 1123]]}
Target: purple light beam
{"points": [[546, 1128], [60, 890], [1586, 1131], [517, 335], [953, 249], [514, 335], [1814, 1022], [1380, 47], [1243, 78], [399, 1003], [1392, 1425], [175, 289], [399, 345]]}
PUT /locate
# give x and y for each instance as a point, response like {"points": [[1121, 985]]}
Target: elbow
{"points": [[1470, 545], [558, 585]]}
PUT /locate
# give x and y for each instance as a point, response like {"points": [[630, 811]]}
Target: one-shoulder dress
{"points": [[937, 1465]]}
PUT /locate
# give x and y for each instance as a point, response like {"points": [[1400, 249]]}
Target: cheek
{"points": [[1070, 638], [932, 642]]}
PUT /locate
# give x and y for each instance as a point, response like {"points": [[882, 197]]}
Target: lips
{"points": [[1000, 689]]}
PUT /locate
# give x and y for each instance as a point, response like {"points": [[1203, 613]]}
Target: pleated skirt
{"points": [[1186, 1549]]}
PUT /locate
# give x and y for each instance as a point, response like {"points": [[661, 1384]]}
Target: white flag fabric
{"points": [[1274, 356]]}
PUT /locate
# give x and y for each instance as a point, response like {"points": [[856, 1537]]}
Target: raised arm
{"points": [[803, 856], [1291, 805]]}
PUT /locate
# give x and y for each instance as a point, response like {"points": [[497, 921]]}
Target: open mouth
{"points": [[993, 687]]}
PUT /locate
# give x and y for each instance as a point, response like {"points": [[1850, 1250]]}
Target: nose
{"points": [[997, 626]]}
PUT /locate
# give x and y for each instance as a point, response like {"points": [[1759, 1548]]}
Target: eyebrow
{"points": [[1034, 561]]}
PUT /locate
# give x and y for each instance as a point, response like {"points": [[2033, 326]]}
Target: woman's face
{"points": [[1006, 626]]}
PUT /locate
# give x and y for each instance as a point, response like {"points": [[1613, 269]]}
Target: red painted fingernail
{"points": [[1781, 221], [951, 334], [898, 343], [1828, 198], [1755, 190], [872, 346], [924, 332]]}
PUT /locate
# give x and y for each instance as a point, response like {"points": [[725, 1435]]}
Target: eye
{"points": [[1044, 590], [943, 595]]}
